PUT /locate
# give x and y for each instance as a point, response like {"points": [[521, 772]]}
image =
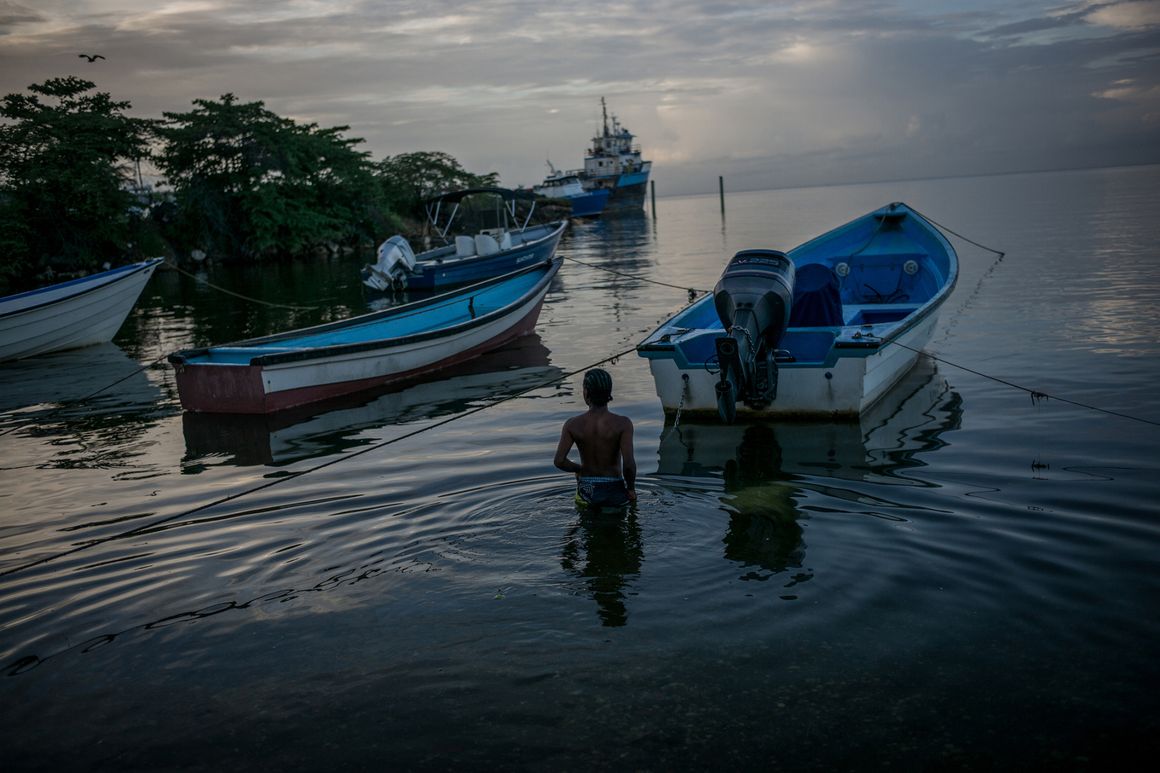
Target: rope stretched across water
{"points": [[692, 291], [1035, 394], [149, 365], [90, 395], [221, 289], [300, 473]]}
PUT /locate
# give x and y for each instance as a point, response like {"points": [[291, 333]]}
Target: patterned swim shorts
{"points": [[602, 492]]}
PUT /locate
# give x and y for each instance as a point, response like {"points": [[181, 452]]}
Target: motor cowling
{"points": [[753, 299], [395, 261]]}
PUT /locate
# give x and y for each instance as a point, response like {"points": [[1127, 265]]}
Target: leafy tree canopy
{"points": [[248, 182], [411, 178], [66, 169]]}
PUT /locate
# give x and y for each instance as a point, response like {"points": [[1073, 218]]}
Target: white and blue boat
{"points": [[613, 163], [70, 315], [299, 367], [568, 186], [823, 331], [508, 241]]}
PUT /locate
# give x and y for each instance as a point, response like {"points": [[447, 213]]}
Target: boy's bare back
{"points": [[605, 442], [604, 439]]}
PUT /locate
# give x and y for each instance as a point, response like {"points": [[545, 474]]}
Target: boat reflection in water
{"points": [[99, 388], [766, 466], [335, 426]]}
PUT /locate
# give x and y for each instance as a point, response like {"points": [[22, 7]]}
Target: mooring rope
{"points": [[1036, 395], [219, 288], [149, 365], [300, 473], [692, 291], [86, 398], [942, 227]]}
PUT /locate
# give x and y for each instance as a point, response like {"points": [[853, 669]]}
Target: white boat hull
{"points": [[844, 389], [70, 315]]}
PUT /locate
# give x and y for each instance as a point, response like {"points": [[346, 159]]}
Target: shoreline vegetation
{"points": [[236, 182]]}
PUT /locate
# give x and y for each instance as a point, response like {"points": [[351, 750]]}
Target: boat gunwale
{"points": [[127, 271]]}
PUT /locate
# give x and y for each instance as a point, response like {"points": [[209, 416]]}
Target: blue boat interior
{"points": [[860, 282], [444, 313]]}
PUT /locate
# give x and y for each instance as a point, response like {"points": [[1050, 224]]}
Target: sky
{"points": [[776, 94]]}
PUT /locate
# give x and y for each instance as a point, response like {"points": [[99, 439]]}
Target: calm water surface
{"points": [[967, 579]]}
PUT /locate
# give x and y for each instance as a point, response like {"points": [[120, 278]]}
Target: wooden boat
{"points": [[273, 373], [345, 423], [824, 330], [509, 242], [72, 314]]}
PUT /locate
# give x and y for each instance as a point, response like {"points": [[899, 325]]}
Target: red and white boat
{"points": [[273, 373]]}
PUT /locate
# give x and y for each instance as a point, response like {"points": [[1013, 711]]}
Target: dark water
{"points": [[968, 579]]}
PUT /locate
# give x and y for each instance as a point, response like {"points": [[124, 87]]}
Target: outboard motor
{"points": [[396, 259], [753, 300]]}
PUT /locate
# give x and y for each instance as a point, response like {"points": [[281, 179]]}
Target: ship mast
{"points": [[604, 109]]}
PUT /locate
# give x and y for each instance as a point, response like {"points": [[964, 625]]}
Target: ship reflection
{"points": [[766, 467], [339, 425]]}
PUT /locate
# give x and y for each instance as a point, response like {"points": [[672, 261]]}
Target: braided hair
{"points": [[598, 386]]}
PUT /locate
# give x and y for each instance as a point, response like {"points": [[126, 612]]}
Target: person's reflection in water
{"points": [[605, 550], [763, 527]]}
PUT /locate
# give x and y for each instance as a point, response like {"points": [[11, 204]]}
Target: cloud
{"points": [[12, 15], [1134, 15], [799, 92]]}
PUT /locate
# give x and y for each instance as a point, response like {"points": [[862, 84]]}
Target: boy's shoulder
{"points": [[621, 419]]}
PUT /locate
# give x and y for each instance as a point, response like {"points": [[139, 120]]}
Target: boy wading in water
{"points": [[606, 475]]}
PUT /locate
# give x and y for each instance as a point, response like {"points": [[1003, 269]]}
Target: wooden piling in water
{"points": [[721, 190], [653, 188]]}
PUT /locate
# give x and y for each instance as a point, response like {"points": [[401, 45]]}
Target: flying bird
{"points": [[90, 57]]}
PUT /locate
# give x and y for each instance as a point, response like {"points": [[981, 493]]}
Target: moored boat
{"points": [[824, 330], [568, 186], [273, 373], [70, 315], [510, 241], [335, 425]]}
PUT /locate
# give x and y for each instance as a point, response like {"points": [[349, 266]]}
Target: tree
{"points": [[66, 170], [249, 183], [411, 178]]}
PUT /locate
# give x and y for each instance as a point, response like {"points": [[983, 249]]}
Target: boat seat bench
{"points": [[877, 313]]}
